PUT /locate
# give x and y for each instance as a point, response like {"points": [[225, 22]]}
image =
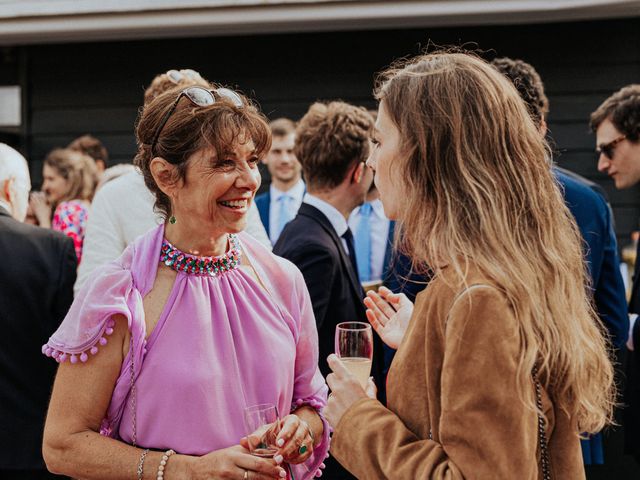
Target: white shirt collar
{"points": [[297, 192], [338, 222]]}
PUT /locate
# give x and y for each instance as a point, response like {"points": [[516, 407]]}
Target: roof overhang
{"points": [[45, 21]]}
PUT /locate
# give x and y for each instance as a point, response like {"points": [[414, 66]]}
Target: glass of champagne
{"points": [[262, 424], [354, 347]]}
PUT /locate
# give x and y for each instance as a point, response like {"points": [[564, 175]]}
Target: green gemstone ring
{"points": [[302, 449]]}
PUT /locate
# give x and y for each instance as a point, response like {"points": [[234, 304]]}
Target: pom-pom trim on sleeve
{"points": [[327, 430], [81, 354]]}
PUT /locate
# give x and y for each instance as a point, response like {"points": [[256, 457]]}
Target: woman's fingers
{"points": [[373, 320], [373, 306], [383, 305], [259, 468]]}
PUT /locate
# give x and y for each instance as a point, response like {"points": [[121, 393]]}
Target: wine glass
{"points": [[354, 347], [262, 424]]}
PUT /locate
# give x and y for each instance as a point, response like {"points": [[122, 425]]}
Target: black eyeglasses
{"points": [[200, 97], [608, 149], [177, 76]]}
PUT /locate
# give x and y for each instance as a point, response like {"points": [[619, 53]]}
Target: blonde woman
{"points": [[503, 361], [69, 181]]}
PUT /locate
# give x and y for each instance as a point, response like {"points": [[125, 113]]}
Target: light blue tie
{"points": [[363, 243], [284, 214]]}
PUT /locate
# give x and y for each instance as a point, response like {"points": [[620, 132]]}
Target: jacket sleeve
{"points": [[316, 266], [609, 295], [485, 431], [66, 278]]}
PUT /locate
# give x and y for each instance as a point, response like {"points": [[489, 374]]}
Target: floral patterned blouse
{"points": [[70, 218]]}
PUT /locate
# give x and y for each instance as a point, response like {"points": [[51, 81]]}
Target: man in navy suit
{"points": [[332, 146], [38, 269], [281, 202], [616, 123], [593, 216]]}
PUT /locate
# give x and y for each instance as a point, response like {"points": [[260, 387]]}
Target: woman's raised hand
{"points": [[389, 314], [41, 208], [236, 463]]}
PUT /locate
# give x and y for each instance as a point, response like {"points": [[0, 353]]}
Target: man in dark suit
{"points": [[332, 146], [37, 272], [616, 123], [279, 205]]}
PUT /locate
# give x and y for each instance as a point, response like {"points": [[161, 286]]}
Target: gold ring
{"points": [[246, 475]]}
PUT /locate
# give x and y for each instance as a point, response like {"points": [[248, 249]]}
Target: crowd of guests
{"points": [[172, 296]]}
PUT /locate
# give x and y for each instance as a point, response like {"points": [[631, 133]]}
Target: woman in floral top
{"points": [[70, 179]]}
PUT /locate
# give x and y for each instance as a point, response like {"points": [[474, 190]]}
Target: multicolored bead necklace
{"points": [[194, 265]]}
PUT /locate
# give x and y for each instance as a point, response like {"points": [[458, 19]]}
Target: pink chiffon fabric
{"points": [[221, 344]]}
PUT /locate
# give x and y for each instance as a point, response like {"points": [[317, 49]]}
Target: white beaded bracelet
{"points": [[163, 463]]}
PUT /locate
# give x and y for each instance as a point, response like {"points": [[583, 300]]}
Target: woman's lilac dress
{"points": [[221, 344]]}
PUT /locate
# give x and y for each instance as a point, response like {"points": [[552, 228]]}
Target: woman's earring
{"points": [[172, 220]]}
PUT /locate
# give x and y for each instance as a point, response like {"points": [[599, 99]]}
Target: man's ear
{"points": [[358, 173], [165, 175], [7, 189]]}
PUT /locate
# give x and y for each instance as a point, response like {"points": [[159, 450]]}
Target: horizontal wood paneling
{"points": [[97, 87]]}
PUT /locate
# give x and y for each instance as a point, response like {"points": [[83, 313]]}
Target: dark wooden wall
{"points": [[97, 87]]}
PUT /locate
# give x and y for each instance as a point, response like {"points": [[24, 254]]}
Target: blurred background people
{"points": [[91, 146], [616, 123], [37, 272], [280, 204], [70, 178]]}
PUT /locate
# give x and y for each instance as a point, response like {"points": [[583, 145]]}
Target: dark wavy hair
{"points": [[623, 109], [528, 83]]}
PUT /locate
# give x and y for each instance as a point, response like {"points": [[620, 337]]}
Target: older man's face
{"points": [[619, 157]]}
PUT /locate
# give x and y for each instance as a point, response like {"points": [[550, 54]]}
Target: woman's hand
{"points": [[41, 209], [295, 439], [345, 391], [389, 313], [236, 463]]}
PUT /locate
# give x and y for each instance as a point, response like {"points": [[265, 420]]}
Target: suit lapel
{"points": [[312, 212]]}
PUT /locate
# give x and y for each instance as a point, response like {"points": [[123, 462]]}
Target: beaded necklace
{"points": [[193, 265]]}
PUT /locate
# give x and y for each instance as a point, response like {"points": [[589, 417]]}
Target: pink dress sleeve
{"points": [[309, 387], [70, 218]]}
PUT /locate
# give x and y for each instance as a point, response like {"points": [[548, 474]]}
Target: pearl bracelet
{"points": [[163, 463]]}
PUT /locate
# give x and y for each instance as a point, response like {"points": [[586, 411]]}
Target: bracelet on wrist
{"points": [[141, 464], [163, 464]]}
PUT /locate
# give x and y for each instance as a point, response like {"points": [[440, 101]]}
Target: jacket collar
{"points": [[314, 213]]}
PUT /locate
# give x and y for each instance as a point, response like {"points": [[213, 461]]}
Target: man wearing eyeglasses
{"points": [[616, 124]]}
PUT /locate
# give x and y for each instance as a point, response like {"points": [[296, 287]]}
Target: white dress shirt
{"points": [[336, 219], [379, 235], [297, 193]]}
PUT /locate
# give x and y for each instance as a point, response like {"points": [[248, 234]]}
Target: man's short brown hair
{"points": [[281, 127], [330, 139], [528, 83], [623, 110], [91, 146]]}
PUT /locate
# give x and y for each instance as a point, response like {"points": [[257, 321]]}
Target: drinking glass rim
{"points": [[261, 406], [361, 326]]}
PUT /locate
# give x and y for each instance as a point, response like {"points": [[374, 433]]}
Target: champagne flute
{"points": [[354, 347], [262, 424]]}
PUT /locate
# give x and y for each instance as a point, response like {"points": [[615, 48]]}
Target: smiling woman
{"points": [[203, 321]]}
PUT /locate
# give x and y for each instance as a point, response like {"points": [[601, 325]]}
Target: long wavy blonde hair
{"points": [[480, 189]]}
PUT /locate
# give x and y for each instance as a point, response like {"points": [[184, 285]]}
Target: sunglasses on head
{"points": [[200, 97], [178, 76], [608, 149]]}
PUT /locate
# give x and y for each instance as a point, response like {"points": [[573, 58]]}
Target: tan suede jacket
{"points": [[453, 408]]}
